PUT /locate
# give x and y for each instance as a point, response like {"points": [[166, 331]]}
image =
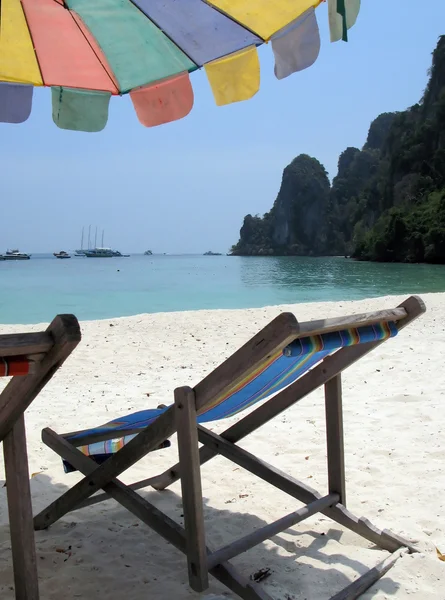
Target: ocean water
{"points": [[34, 291]]}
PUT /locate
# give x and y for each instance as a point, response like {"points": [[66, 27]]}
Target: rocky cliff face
{"points": [[354, 195], [297, 220], [404, 208], [296, 223], [387, 201]]}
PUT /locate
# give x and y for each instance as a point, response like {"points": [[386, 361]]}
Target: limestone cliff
{"points": [[296, 223], [387, 201]]}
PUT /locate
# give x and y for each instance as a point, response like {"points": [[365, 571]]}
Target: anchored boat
{"points": [[99, 253], [15, 255]]}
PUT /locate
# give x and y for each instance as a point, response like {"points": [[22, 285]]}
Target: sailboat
{"points": [[80, 252], [96, 252], [99, 252]]}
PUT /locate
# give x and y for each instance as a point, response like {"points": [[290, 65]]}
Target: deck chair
{"points": [[287, 360], [30, 359]]}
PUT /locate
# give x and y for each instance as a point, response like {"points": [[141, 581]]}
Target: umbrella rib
{"points": [[166, 34], [92, 48], [237, 22], [32, 40]]}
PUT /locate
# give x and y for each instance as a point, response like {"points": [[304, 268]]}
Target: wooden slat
{"points": [[21, 391], [20, 513], [334, 438], [21, 344], [191, 489], [414, 307], [352, 321], [363, 583], [268, 531], [385, 539], [152, 516], [318, 376]]}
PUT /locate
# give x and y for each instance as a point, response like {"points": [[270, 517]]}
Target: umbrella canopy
{"points": [[90, 50]]}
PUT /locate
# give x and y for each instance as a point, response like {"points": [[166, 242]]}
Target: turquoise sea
{"points": [[34, 291]]}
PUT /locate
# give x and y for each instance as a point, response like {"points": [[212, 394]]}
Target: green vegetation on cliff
{"points": [[387, 201]]}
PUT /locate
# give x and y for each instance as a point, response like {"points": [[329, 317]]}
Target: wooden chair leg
{"points": [[20, 513], [334, 438], [191, 488]]}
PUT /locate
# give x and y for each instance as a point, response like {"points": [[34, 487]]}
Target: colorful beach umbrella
{"points": [[90, 50]]}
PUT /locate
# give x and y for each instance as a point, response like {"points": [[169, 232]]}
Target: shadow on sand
{"points": [[103, 550]]}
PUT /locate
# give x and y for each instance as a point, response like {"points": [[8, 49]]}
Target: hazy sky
{"points": [[186, 186]]}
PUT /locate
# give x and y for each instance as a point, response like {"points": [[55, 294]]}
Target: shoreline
{"points": [[200, 311], [394, 424]]}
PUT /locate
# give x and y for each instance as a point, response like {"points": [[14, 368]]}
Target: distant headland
{"points": [[386, 203]]}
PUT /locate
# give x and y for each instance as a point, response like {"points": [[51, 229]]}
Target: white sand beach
{"points": [[395, 458]]}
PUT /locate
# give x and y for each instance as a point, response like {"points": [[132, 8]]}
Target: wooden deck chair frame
{"points": [[181, 418], [45, 351]]}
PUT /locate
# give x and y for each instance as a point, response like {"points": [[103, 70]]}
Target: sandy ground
{"points": [[394, 443]]}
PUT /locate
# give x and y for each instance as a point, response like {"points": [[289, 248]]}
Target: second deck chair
{"points": [[286, 359], [30, 359]]}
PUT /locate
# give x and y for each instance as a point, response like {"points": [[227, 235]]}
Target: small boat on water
{"points": [[62, 254], [15, 255], [148, 253], [119, 254]]}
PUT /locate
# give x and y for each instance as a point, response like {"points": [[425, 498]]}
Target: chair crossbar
{"points": [[300, 491], [23, 344], [319, 326], [268, 531]]}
